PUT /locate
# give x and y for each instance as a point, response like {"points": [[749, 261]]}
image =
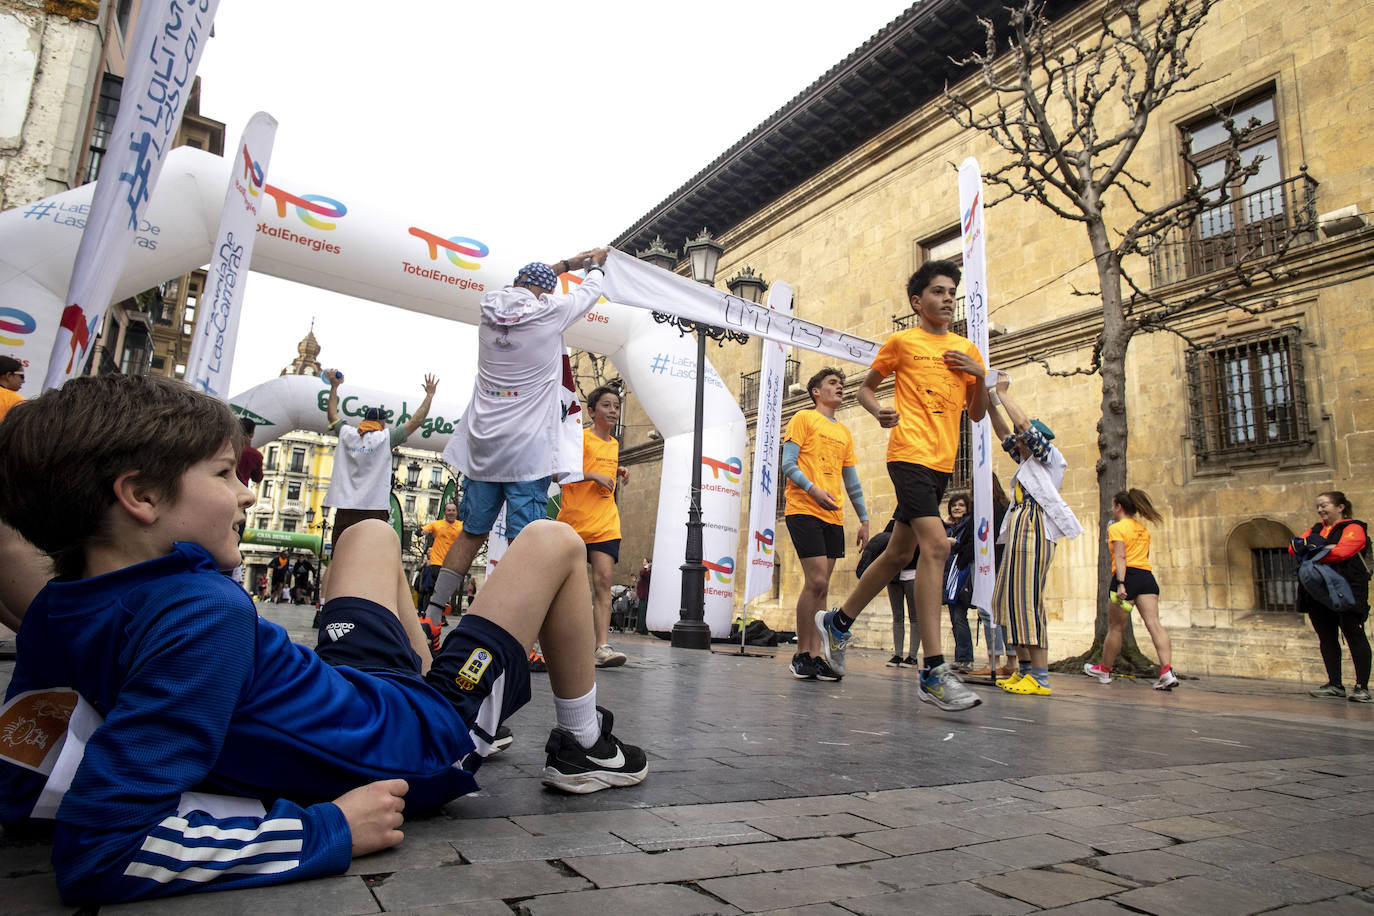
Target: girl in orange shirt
{"points": [[1133, 581]]}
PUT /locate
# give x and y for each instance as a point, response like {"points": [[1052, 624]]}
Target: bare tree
{"points": [[1069, 111]]}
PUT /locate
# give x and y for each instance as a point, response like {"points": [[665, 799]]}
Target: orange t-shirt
{"points": [[1136, 537], [587, 506], [826, 449], [445, 533], [7, 400], [929, 396]]}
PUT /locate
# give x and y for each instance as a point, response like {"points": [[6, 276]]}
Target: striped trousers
{"points": [[1019, 595]]}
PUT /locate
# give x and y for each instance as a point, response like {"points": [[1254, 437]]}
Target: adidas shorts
{"points": [[484, 673], [364, 635], [482, 670]]}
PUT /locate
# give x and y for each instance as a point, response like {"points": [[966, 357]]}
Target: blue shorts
{"points": [[609, 548], [482, 670], [526, 501]]}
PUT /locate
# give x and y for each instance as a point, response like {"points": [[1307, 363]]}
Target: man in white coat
{"points": [[508, 445]]}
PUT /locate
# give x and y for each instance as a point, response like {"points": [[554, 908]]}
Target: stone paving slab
{"points": [[1047, 888], [463, 883], [955, 899], [672, 866], [659, 899], [345, 896], [1341, 866], [658, 839], [1195, 896], [771, 890]]}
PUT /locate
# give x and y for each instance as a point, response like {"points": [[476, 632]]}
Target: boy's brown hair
{"points": [[60, 454]]}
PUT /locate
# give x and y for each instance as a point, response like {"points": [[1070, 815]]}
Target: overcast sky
{"points": [[560, 124]]}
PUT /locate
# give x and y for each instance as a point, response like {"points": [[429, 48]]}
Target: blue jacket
{"points": [[200, 694]]}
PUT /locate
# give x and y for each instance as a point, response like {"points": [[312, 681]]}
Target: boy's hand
{"points": [[623, 473], [887, 417], [862, 539], [1003, 383], [374, 816], [958, 359], [823, 498], [431, 385]]}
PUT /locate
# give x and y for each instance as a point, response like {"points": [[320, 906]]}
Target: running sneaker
{"points": [[607, 764], [823, 670], [803, 667], [942, 687], [607, 657], [1360, 695], [1005, 682], [504, 739], [894, 662], [537, 662], [1102, 674], [1029, 686], [1166, 681], [833, 642], [1329, 690]]}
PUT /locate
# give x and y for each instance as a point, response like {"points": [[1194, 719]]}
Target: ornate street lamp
{"points": [[691, 630], [747, 285], [659, 255]]}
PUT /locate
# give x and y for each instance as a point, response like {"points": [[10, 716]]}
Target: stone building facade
{"points": [[1233, 431]]}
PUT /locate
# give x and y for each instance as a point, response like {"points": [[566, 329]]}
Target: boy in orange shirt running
{"points": [[938, 376]]}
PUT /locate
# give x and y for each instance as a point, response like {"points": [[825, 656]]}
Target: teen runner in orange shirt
{"points": [[818, 461], [589, 507], [1133, 580], [938, 376]]}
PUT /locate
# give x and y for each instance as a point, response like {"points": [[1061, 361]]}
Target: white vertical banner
{"points": [[217, 325], [162, 61], [763, 487], [976, 302]]}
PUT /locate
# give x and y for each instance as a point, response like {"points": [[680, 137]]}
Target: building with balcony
{"points": [[1237, 418]]}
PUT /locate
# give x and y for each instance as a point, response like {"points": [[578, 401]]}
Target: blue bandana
{"points": [[536, 274]]}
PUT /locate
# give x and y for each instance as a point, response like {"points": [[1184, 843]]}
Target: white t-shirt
{"points": [[511, 428], [362, 470]]}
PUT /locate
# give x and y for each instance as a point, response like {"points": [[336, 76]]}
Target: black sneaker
{"points": [[823, 670], [803, 667], [607, 764], [910, 662], [504, 739], [894, 662]]}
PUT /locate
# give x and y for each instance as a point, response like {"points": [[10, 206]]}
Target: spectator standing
{"points": [[958, 577], [818, 462], [901, 596], [1340, 543], [589, 506], [1037, 520], [249, 468]]}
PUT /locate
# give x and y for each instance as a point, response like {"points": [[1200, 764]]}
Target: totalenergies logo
{"points": [[724, 570], [15, 321], [462, 252], [308, 206], [731, 468], [764, 540], [969, 218], [253, 174]]}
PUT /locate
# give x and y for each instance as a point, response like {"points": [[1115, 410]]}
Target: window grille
{"points": [[1275, 576], [1246, 394]]}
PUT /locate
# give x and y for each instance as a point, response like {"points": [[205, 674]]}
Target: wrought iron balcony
{"points": [[1241, 230]]}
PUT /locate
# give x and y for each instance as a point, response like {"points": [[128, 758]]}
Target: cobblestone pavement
{"points": [[768, 794]]}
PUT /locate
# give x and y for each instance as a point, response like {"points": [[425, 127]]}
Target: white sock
{"points": [[444, 586], [580, 717]]}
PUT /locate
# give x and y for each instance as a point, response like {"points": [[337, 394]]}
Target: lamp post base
{"points": [[691, 634]]}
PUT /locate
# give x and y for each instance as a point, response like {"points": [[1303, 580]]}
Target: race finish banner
{"points": [[163, 57], [976, 302], [763, 488], [630, 281], [217, 326]]}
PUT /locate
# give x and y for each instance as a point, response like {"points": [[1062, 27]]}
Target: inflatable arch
{"points": [[431, 263]]}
